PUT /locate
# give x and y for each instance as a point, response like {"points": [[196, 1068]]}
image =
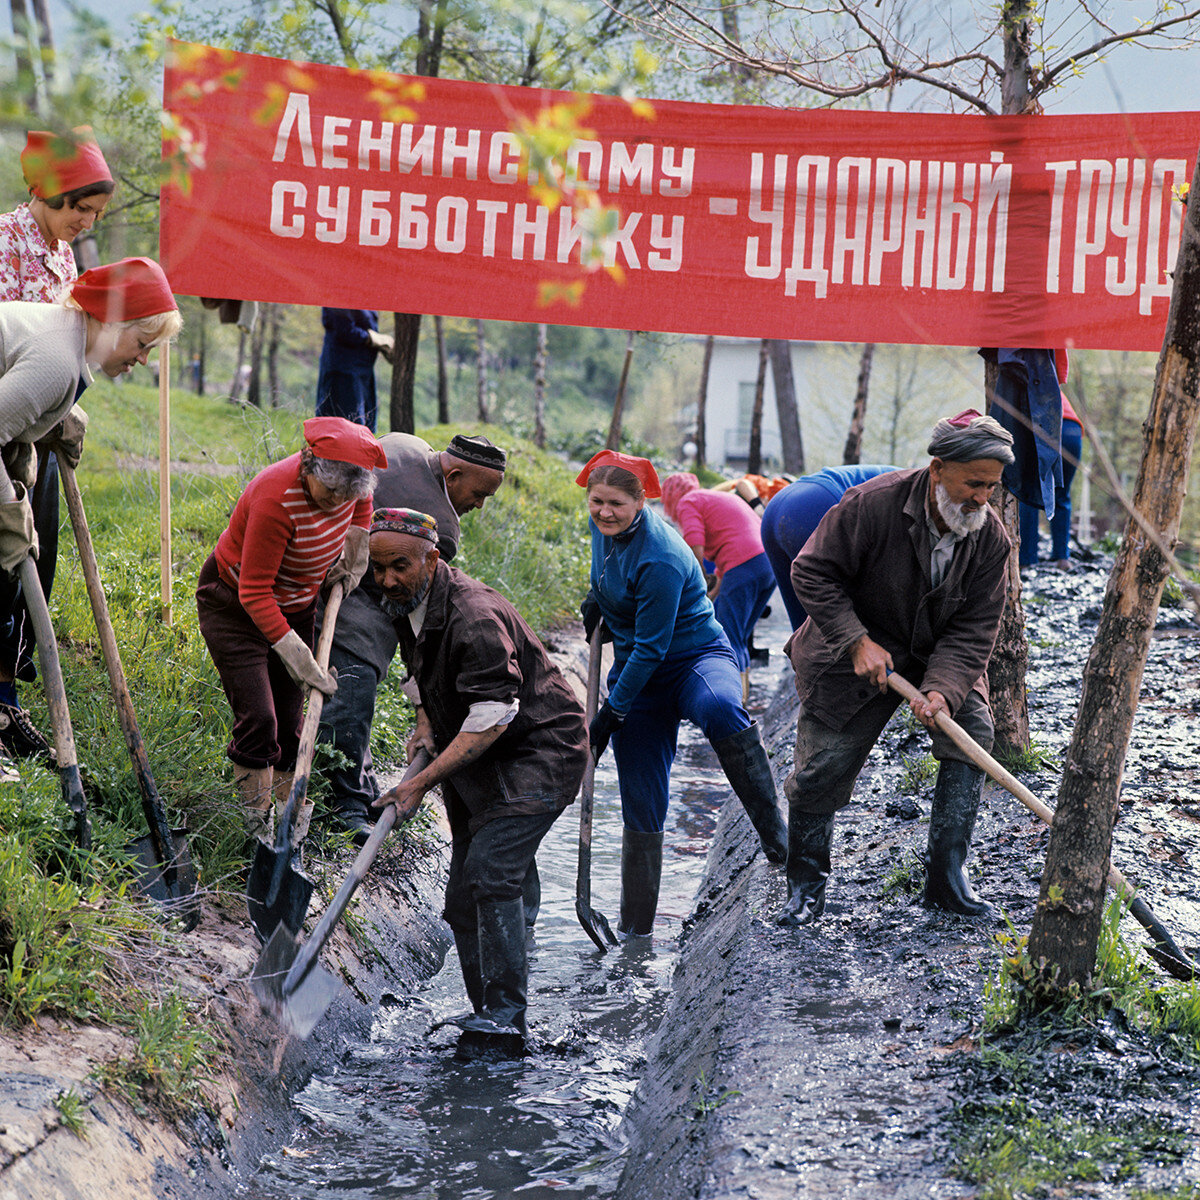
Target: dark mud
{"points": [[843, 1059]]}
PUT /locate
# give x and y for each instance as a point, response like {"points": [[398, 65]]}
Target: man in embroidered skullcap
{"points": [[509, 743], [905, 573], [445, 484]]}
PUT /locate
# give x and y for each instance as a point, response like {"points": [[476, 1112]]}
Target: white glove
{"points": [[352, 566], [382, 342], [18, 538], [66, 438], [301, 665]]}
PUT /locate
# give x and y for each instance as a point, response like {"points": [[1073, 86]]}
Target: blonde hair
{"points": [[159, 328]]}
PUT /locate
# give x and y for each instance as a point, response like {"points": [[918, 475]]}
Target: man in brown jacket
{"points": [[906, 573], [510, 745]]}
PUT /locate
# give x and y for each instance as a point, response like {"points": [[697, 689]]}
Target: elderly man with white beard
{"points": [[906, 573]]}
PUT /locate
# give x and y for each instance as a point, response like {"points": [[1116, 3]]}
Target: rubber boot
{"points": [[497, 1029], [810, 836], [531, 893], [641, 876], [467, 942], [746, 766], [951, 823], [254, 790]]}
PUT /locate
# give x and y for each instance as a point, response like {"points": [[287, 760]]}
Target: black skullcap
{"points": [[475, 448]]}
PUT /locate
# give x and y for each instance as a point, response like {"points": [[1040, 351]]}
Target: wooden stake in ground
{"points": [[1066, 926], [164, 477]]}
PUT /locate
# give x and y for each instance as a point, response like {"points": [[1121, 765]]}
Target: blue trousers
{"points": [[1060, 523], [702, 686], [788, 522], [744, 593]]}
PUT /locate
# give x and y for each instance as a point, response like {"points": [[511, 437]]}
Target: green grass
{"points": [[76, 938], [919, 770]]}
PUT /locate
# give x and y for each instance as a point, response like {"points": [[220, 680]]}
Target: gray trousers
{"points": [[828, 761]]}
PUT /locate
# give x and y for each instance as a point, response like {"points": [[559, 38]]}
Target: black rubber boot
{"points": [[951, 823], [467, 943], [641, 875], [746, 766], [356, 820], [497, 1028], [810, 836], [531, 892]]}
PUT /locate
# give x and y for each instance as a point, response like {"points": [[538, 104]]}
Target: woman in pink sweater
{"points": [[722, 528], [301, 522]]}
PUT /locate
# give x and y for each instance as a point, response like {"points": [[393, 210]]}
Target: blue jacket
{"points": [[652, 596], [347, 346]]}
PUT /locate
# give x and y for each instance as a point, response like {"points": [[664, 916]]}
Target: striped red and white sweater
{"points": [[279, 545]]}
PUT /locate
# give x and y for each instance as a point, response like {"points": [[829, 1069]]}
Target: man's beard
{"points": [[401, 608], [961, 523]]}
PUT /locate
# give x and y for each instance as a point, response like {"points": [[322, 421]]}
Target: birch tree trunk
{"points": [[1066, 926], [852, 451], [539, 388], [754, 453], [790, 438], [702, 404]]}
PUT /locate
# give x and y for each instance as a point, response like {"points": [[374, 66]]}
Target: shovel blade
{"points": [[291, 901], [297, 1011], [182, 902], [596, 926]]}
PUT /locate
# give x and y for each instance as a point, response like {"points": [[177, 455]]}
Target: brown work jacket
{"points": [[866, 570], [473, 647]]}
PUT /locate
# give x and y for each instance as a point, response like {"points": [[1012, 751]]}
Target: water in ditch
{"points": [[399, 1117]]}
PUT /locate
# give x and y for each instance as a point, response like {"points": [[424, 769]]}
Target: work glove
{"points": [[301, 665], [20, 462], [66, 438], [382, 342], [18, 538], [604, 724], [356, 557], [590, 611]]}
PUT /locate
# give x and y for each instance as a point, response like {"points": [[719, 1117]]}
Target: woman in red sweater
{"points": [[300, 523]]}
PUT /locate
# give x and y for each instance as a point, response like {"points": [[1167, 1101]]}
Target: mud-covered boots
{"points": [[641, 876], [254, 790], [497, 1027], [951, 824], [466, 941], [531, 893], [744, 761], [810, 836]]}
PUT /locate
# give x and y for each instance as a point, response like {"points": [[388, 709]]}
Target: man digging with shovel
{"points": [[906, 573], [511, 746]]}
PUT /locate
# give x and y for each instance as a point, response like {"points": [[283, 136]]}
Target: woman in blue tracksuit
{"points": [[792, 514], [672, 662]]}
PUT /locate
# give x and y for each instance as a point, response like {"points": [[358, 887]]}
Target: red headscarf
{"points": [[54, 163], [124, 291], [643, 468], [340, 440]]}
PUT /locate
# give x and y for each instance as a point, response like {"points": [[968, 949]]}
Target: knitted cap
{"points": [[643, 468], [970, 436], [405, 520], [124, 291], [478, 450], [340, 440], [54, 163]]}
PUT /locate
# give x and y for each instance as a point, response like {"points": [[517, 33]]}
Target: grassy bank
{"points": [[75, 938]]}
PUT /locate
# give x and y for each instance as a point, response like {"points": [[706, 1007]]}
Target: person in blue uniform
{"points": [[791, 515], [346, 374], [672, 662]]}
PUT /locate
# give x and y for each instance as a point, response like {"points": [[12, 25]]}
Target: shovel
{"points": [[595, 923], [276, 892], [286, 979], [52, 685], [1165, 952], [165, 864]]}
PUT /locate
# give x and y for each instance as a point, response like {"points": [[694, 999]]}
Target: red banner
{"points": [[321, 185]]}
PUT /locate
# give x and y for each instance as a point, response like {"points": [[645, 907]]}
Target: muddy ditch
{"points": [[843, 1059]]}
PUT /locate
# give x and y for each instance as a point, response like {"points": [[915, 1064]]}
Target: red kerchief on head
{"points": [[124, 291], [345, 441], [54, 163], [643, 468]]}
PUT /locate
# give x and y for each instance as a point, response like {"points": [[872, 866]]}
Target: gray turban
{"points": [[969, 436]]}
